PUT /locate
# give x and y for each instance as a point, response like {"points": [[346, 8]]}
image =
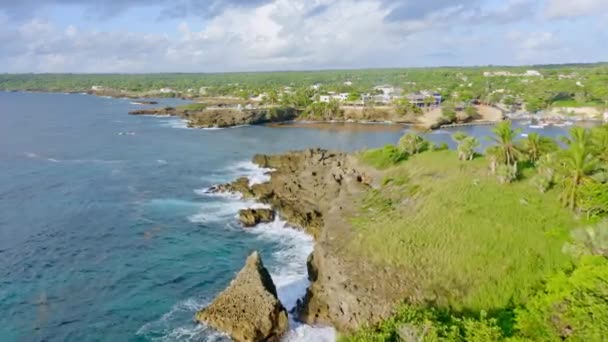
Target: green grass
{"points": [[382, 158], [466, 241], [575, 104], [193, 107]]}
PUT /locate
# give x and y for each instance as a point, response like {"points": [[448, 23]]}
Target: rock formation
{"points": [[252, 217], [248, 310]]}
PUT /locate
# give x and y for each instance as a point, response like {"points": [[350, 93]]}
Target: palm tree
{"points": [[505, 140], [589, 241], [577, 165], [536, 145], [412, 143], [466, 145], [599, 137]]}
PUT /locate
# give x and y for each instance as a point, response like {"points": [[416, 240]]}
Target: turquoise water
{"points": [[108, 237]]}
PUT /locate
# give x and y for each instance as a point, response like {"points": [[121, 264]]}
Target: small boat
{"points": [[539, 126], [524, 135]]}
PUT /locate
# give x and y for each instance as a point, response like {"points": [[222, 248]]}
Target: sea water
{"points": [[107, 234]]}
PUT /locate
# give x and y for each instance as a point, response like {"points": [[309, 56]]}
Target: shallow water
{"points": [[108, 236]]}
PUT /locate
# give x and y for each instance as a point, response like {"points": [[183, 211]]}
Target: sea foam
{"points": [[287, 266]]}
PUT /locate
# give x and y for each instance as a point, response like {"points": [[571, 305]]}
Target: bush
{"points": [[382, 158], [572, 307]]}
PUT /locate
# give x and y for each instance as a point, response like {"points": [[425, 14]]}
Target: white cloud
{"points": [[293, 34], [575, 8]]}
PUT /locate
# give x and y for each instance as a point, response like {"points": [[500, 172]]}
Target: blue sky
{"points": [[252, 35]]}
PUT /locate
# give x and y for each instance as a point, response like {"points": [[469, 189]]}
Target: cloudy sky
{"points": [[240, 35]]}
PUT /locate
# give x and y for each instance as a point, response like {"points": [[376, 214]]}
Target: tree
{"points": [[536, 145], [572, 307], [509, 150], [429, 101], [577, 165], [448, 112], [412, 143], [466, 145], [591, 240], [599, 137]]}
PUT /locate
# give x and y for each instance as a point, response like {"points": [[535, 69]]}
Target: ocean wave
{"points": [[287, 266], [222, 209], [169, 328], [255, 174], [289, 273], [174, 122]]}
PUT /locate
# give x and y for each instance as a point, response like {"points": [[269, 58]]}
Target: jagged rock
{"points": [[252, 217], [248, 310], [241, 185]]}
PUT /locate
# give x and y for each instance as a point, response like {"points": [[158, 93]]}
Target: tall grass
{"points": [[466, 241]]}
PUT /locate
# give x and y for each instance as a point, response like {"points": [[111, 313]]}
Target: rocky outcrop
{"points": [[241, 186], [319, 191], [224, 117], [248, 310], [252, 217], [229, 117]]}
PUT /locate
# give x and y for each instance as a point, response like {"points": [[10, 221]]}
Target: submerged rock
{"points": [[252, 217], [249, 309]]}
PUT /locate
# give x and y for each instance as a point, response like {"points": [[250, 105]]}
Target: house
{"points": [[324, 98], [420, 99], [315, 86], [497, 73], [97, 88], [203, 90], [606, 116], [385, 89], [348, 83], [166, 90]]}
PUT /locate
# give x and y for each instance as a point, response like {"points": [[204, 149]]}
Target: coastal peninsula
{"points": [[412, 231]]}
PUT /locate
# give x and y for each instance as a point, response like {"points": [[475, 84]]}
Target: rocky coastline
{"points": [[317, 190], [219, 117]]}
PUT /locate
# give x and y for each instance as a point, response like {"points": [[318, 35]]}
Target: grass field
{"points": [[575, 104], [466, 241]]}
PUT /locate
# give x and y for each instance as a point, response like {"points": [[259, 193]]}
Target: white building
{"points": [[325, 98], [348, 83], [97, 87], [315, 86], [532, 73], [606, 116], [385, 89], [166, 90]]}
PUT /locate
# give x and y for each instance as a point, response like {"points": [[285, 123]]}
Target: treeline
{"points": [[568, 85]]}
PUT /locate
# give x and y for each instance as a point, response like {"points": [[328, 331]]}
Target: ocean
{"points": [[106, 233]]}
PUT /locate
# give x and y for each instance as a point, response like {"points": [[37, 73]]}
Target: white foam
{"points": [[289, 273], [223, 209], [175, 123], [162, 161], [255, 174], [165, 326]]}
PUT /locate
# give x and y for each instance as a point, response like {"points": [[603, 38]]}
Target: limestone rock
{"points": [[248, 310], [252, 217]]}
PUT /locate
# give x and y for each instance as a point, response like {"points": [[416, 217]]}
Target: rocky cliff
{"points": [[319, 190], [248, 310], [224, 117]]}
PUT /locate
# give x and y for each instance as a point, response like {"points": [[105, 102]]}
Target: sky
{"points": [[138, 36]]}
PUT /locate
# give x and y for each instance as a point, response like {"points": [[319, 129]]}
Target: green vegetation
{"points": [[193, 107], [428, 218], [384, 157], [491, 261], [559, 86]]}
